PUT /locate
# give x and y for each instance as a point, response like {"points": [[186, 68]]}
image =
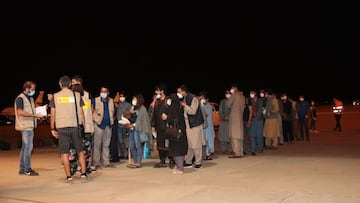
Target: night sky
{"points": [[297, 52]]}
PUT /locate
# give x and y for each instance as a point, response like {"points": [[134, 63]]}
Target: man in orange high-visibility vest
{"points": [[337, 110]]}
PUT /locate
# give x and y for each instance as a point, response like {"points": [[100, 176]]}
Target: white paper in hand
{"points": [[42, 110]]}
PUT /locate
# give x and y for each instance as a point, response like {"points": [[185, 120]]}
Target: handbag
{"points": [[216, 118], [173, 132]]}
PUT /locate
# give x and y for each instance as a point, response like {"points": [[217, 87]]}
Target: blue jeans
{"points": [[121, 137], [257, 135], [26, 149], [136, 149]]}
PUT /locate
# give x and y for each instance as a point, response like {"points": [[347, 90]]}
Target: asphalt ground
{"points": [[325, 169]]}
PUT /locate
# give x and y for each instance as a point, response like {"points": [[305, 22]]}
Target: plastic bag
{"points": [[146, 151]]}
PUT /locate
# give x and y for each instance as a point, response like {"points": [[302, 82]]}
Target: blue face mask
{"points": [[31, 93]]}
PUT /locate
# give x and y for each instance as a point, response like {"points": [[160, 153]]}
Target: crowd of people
{"points": [[95, 132]]}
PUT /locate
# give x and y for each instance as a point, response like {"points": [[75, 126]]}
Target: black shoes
{"points": [[160, 165], [235, 156], [188, 165], [29, 172], [172, 165], [196, 166]]}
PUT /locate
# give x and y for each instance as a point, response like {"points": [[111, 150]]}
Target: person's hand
{"points": [[49, 96], [39, 116], [128, 126], [55, 134], [182, 103]]}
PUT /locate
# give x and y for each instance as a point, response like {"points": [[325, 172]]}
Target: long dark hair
{"points": [[140, 100]]}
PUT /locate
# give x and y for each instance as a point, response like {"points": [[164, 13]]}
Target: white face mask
{"points": [[122, 99], [103, 95], [227, 96], [31, 93], [202, 101], [134, 102], [232, 91], [252, 95], [180, 96], [168, 102], [262, 95], [158, 96]]}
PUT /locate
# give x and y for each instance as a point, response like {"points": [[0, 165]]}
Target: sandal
{"points": [[133, 166]]}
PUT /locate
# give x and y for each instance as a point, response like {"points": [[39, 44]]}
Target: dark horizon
{"points": [[309, 55]]}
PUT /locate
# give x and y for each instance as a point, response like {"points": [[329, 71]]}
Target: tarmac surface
{"points": [[325, 169]]}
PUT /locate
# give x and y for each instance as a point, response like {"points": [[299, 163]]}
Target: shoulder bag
{"points": [[173, 132]]}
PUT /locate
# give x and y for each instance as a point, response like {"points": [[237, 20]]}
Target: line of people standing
{"points": [[253, 123], [266, 124]]}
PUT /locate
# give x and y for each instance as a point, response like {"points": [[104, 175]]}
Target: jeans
{"points": [[136, 149], [257, 138], [121, 137], [26, 149]]}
